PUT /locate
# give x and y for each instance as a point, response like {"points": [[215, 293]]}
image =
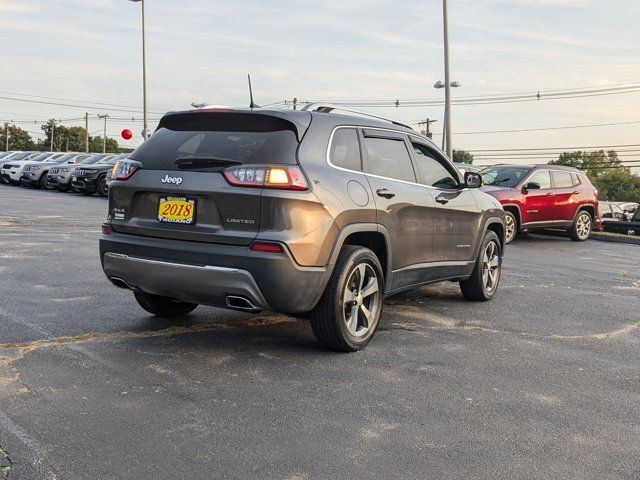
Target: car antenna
{"points": [[252, 105]]}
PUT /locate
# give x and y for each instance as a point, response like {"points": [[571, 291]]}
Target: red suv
{"points": [[543, 196]]}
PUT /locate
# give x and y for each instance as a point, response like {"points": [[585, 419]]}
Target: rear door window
{"points": [[244, 138], [345, 149], [561, 179], [389, 157]]}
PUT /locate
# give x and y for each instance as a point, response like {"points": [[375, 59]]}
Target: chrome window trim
{"points": [[362, 172]]}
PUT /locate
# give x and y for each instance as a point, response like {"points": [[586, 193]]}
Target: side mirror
{"points": [[472, 180], [532, 186]]}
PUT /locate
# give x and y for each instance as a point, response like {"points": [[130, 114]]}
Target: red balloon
{"points": [[126, 134]]}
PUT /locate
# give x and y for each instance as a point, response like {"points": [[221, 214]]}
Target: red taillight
{"points": [[284, 177], [106, 230], [267, 247], [124, 169]]}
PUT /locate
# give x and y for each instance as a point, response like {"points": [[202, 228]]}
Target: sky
{"points": [[202, 50]]}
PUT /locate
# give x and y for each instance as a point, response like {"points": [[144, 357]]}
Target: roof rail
{"points": [[328, 108]]}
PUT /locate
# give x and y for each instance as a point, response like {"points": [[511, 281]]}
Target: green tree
{"points": [[19, 139], [594, 163], [618, 185], [462, 156], [95, 145]]}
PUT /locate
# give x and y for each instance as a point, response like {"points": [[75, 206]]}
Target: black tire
{"points": [[509, 234], [14, 183], [88, 193], [163, 306], [42, 184], [581, 228], [330, 321], [103, 188], [475, 288]]}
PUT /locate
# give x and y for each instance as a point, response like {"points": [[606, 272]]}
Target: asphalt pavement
{"points": [[542, 382]]}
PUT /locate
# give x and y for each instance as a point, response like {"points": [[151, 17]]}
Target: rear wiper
{"points": [[204, 162]]}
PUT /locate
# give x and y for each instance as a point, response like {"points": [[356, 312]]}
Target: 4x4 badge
{"points": [[168, 179]]}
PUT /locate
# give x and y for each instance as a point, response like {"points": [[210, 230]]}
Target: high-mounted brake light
{"points": [[284, 177], [124, 169]]}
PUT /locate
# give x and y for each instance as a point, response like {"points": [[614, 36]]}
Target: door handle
{"points": [[383, 192], [442, 200], [549, 194], [577, 192]]}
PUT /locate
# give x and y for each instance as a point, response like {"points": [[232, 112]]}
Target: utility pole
{"points": [[6, 132], [447, 82], [427, 123], [86, 132], [104, 137], [53, 132], [295, 103]]}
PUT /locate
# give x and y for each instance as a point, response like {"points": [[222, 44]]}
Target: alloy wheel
{"points": [[510, 227], [361, 300], [491, 266], [583, 225]]}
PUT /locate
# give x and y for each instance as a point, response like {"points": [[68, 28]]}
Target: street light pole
{"points": [[447, 82], [144, 73], [104, 136]]}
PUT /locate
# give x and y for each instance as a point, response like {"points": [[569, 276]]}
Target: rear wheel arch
{"points": [[590, 209], [370, 235]]}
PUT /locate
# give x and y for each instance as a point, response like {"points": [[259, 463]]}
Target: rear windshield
{"points": [[242, 138]]}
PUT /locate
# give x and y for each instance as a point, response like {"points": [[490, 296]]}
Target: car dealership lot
{"points": [[540, 382]]}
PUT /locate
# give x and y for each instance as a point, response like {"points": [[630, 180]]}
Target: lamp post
{"points": [[447, 81], [446, 137], [144, 72]]}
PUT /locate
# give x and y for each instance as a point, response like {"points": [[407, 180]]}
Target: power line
{"points": [[596, 147], [74, 106], [567, 127]]}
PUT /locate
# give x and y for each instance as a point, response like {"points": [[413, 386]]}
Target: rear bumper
{"points": [[207, 273], [192, 283]]}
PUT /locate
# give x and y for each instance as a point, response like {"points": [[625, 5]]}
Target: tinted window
{"points": [[244, 138], [431, 171], [389, 158], [542, 178], [345, 149], [561, 179], [575, 180], [503, 176]]}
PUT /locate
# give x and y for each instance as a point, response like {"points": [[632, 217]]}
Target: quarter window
{"points": [[561, 179], [389, 158], [432, 172], [345, 149], [542, 178]]}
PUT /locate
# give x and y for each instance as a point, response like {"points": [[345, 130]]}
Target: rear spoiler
{"points": [[238, 120]]}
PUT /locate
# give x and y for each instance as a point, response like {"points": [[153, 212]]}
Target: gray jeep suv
{"points": [[309, 213]]}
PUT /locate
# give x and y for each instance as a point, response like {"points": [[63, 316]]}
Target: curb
{"points": [[612, 237]]}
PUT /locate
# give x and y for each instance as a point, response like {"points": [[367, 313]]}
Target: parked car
{"points": [[629, 208], [59, 178], [6, 154], [623, 226], [34, 174], [612, 212], [543, 196], [11, 170], [92, 179], [301, 212]]}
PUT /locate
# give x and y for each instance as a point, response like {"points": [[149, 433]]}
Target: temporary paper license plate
{"points": [[177, 210]]}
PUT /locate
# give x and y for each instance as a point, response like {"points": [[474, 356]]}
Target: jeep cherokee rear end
{"points": [[234, 234], [245, 209]]}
